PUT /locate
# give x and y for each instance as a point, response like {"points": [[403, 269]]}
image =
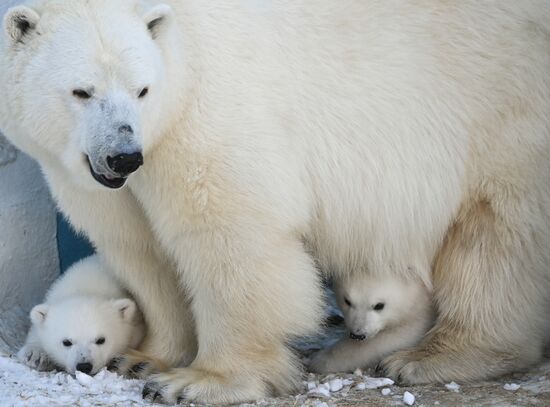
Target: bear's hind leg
{"points": [[490, 286]]}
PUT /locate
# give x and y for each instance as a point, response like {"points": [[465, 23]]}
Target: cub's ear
{"points": [[126, 308], [19, 22], [157, 19], [39, 314]]}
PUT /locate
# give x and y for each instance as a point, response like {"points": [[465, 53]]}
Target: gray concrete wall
{"points": [[28, 249]]}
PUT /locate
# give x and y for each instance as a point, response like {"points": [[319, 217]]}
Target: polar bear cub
{"points": [[382, 315], [85, 321]]}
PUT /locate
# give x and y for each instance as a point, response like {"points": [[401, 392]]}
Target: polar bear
{"points": [[86, 320], [218, 154], [383, 314]]}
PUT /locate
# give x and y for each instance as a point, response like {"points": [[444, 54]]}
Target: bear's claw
{"points": [[114, 364], [135, 364], [139, 368], [35, 358], [153, 392]]}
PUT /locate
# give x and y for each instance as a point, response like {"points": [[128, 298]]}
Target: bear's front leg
{"points": [[250, 293], [33, 354], [348, 354], [170, 337], [119, 230], [344, 356]]}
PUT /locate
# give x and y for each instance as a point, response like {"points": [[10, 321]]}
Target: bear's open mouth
{"points": [[113, 183]]}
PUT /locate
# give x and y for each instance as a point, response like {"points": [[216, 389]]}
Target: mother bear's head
{"points": [[87, 85]]}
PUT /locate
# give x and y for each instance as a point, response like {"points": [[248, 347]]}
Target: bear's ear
{"points": [[126, 308], [157, 18], [19, 22], [39, 314]]}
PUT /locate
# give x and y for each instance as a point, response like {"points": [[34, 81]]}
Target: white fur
{"points": [[406, 316], [282, 134], [84, 305]]}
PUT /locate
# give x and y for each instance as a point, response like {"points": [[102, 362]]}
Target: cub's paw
{"points": [[409, 367], [200, 386], [35, 357], [321, 362], [138, 365]]}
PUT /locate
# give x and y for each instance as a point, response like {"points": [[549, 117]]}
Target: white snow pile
{"points": [[408, 398], [453, 387], [22, 386], [325, 389], [374, 383], [321, 390], [511, 386]]}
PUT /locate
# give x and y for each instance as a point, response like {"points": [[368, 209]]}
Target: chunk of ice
{"points": [[453, 387], [336, 385], [321, 390], [84, 379], [376, 382], [408, 398]]}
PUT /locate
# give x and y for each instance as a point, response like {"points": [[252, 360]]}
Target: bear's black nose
{"points": [[84, 367], [357, 337], [125, 164]]}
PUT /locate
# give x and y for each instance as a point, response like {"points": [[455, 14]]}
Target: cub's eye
{"points": [[143, 92], [100, 341], [378, 307], [67, 343], [81, 94], [348, 302]]}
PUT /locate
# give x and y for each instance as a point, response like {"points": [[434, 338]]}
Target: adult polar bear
{"points": [[384, 135]]}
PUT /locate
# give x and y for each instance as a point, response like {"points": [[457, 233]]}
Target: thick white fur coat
{"points": [[406, 137]]}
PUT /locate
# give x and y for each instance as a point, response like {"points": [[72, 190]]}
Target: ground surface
{"points": [[21, 386]]}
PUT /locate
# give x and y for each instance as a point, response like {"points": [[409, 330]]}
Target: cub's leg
{"points": [[348, 354], [33, 354]]}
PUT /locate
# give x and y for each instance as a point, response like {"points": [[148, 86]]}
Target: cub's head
{"points": [[88, 86], [85, 334], [371, 304]]}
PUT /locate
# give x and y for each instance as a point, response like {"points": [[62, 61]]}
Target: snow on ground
{"points": [[22, 386]]}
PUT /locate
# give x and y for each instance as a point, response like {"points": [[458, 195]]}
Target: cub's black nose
{"points": [[357, 337], [84, 367], [125, 164]]}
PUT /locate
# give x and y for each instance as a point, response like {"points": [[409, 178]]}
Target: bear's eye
{"points": [[348, 302], [143, 92], [100, 341], [378, 307], [67, 343], [81, 94]]}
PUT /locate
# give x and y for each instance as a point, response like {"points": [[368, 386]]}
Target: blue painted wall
{"points": [[71, 247]]}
